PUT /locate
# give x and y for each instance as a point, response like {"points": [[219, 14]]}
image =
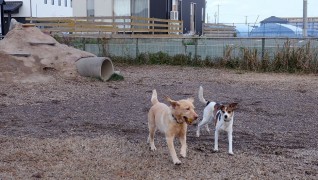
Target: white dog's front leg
{"points": [[216, 137], [230, 137], [172, 151]]}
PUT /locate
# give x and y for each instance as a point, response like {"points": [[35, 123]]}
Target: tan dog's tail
{"points": [[201, 98], [154, 99]]}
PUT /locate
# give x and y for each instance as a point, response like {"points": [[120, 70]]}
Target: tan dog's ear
{"points": [[191, 99], [233, 105], [173, 103]]}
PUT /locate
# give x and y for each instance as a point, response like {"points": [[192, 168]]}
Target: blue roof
{"points": [[276, 30], [274, 19]]}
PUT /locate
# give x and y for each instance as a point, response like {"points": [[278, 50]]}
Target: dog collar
{"points": [[175, 119], [218, 115]]}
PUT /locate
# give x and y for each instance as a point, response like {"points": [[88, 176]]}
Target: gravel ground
{"points": [[81, 128]]}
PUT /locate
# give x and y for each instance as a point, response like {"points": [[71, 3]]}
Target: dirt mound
{"points": [[27, 54]]}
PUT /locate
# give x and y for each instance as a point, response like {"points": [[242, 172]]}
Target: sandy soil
{"points": [[81, 128]]}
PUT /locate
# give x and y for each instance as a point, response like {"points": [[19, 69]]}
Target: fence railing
{"points": [[218, 30], [109, 26]]}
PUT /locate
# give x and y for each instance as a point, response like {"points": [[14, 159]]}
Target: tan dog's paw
{"points": [[183, 154], [177, 162]]}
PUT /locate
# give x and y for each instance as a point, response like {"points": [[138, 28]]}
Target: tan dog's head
{"points": [[228, 111], [183, 110]]}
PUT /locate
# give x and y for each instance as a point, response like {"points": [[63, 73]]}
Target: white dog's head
{"points": [[228, 111]]}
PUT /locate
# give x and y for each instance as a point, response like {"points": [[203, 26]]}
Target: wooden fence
{"points": [[109, 26]]}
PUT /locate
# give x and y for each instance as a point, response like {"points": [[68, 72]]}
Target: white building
{"points": [[22, 9], [84, 8], [44, 8]]}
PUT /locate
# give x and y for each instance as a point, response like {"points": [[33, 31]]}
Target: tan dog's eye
{"points": [[188, 109]]}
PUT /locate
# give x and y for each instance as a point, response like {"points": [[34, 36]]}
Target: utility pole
{"points": [[245, 19], [305, 19], [218, 13]]}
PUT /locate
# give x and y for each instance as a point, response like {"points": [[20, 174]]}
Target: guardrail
{"points": [[109, 26]]}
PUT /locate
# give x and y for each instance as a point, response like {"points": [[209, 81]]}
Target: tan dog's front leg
{"points": [[172, 151], [183, 142]]}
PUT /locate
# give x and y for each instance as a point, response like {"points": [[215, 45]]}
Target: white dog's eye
{"points": [[223, 112], [229, 112]]}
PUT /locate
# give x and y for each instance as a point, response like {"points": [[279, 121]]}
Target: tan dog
{"points": [[172, 121]]}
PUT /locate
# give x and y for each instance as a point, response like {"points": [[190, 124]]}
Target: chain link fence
{"points": [[197, 47]]}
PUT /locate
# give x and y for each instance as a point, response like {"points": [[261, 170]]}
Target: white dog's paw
{"points": [[198, 134], [231, 153], [153, 148], [215, 150]]}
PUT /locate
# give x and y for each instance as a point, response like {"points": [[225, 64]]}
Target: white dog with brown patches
{"points": [[172, 121], [221, 115]]}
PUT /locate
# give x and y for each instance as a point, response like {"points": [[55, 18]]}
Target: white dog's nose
{"points": [[225, 116]]}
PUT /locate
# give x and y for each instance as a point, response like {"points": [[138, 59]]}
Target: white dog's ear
{"points": [[233, 105], [173, 103]]}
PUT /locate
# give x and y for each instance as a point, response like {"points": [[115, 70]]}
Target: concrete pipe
{"points": [[97, 67]]}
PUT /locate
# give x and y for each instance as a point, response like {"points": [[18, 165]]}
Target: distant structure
{"points": [[312, 24], [274, 19], [285, 27]]}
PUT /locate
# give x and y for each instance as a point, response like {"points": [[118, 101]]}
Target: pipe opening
{"points": [[107, 69]]}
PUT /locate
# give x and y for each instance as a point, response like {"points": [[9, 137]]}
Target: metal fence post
{"points": [[263, 48], [137, 48], [195, 47]]}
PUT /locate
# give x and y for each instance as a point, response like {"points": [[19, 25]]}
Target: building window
{"points": [[139, 8], [122, 8], [59, 2], [45, 1], [90, 8], [52, 1], [65, 2]]}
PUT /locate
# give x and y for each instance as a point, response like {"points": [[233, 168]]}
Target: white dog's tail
{"points": [[201, 98], [154, 99]]}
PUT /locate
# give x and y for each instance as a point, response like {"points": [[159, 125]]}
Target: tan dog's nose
{"points": [[196, 117]]}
